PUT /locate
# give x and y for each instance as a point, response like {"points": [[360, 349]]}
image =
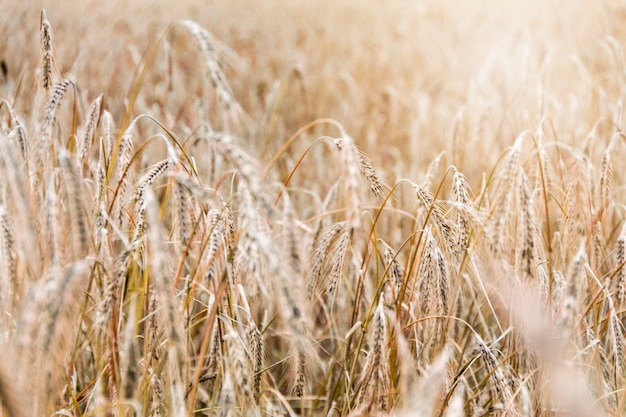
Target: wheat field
{"points": [[312, 208]]}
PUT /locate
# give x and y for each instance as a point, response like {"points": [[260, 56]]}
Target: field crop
{"points": [[312, 208]]}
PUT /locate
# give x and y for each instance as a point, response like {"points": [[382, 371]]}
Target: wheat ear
{"points": [[373, 388], [86, 137], [620, 276], [47, 54]]}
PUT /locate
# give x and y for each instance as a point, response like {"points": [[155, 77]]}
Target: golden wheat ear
{"points": [[373, 387], [47, 55], [620, 278], [86, 136]]}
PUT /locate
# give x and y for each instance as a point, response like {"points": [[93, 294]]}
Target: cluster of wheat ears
{"points": [[190, 265]]}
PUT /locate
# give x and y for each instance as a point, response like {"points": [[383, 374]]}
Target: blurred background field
{"points": [[401, 76]]}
